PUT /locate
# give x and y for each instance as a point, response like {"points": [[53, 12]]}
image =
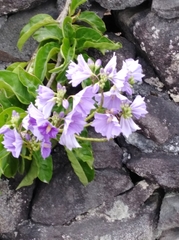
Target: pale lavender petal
{"points": [[110, 67], [45, 100], [78, 72], [12, 142], [112, 99], [74, 123], [69, 141], [133, 68], [48, 130], [128, 126], [45, 148], [65, 103], [83, 101], [107, 125], [138, 107], [119, 78]]}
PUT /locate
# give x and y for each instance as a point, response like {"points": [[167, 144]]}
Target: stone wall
{"points": [[135, 192]]}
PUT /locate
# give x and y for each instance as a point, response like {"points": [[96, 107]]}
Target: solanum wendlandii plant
{"points": [[38, 110]]}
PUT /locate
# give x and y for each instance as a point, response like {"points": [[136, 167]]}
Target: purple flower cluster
{"points": [[110, 112], [119, 112]]}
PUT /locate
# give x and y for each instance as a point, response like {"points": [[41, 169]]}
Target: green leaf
{"points": [[88, 34], [21, 166], [65, 48], [15, 65], [82, 160], [73, 6], [48, 32], [6, 102], [28, 80], [10, 166], [30, 176], [9, 81], [85, 153], [43, 56], [67, 28], [77, 167], [89, 172], [34, 24], [101, 46], [68, 54], [91, 38], [6, 115], [93, 20], [45, 167]]}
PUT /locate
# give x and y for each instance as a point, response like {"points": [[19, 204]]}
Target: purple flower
{"points": [[118, 79], [33, 120], [127, 88], [110, 68], [112, 99], [45, 100], [128, 126], [12, 140], [46, 148], [78, 72], [94, 65], [48, 130], [138, 107], [69, 141], [40, 127], [74, 123], [133, 68], [106, 124], [83, 101], [34, 117]]}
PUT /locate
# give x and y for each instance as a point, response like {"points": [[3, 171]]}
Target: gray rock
{"points": [[170, 235], [8, 6], [106, 154], [14, 206], [158, 167], [131, 216], [66, 197], [157, 37], [143, 144], [169, 214], [119, 4], [161, 123], [166, 9]]}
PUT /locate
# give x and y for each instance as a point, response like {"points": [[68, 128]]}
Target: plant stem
{"points": [[91, 139], [53, 75], [60, 19], [64, 13]]}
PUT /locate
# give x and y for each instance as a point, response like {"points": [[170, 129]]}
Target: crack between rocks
{"points": [[36, 182]]}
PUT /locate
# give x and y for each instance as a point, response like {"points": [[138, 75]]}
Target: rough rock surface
{"points": [[157, 37], [134, 212], [9, 6], [166, 9], [158, 168], [14, 206], [119, 4], [169, 217], [78, 199]]}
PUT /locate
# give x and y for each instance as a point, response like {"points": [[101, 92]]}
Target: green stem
{"points": [[91, 139], [90, 116]]}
